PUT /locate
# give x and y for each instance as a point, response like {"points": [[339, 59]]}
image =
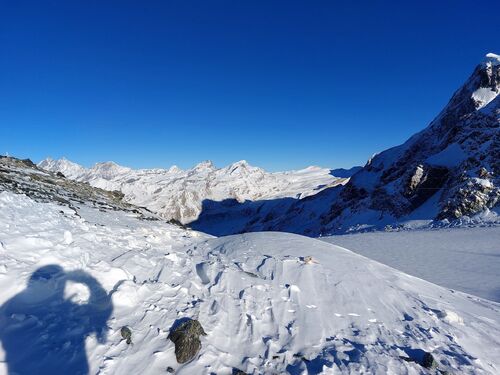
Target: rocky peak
{"points": [[204, 165], [241, 167], [444, 161]]}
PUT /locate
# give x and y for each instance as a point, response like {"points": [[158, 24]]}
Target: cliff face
{"points": [[454, 162]]}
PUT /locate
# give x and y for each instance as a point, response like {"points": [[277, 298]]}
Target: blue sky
{"points": [[282, 84]]}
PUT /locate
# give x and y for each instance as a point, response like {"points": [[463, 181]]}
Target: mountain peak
{"points": [[492, 59], [109, 169], [63, 165], [174, 169], [206, 164], [240, 164]]}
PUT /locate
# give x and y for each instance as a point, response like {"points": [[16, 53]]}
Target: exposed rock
{"points": [[126, 334], [428, 361], [426, 181], [24, 177], [186, 339]]}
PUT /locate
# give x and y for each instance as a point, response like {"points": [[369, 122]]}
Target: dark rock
{"points": [[59, 174], [428, 361], [170, 370], [424, 182], [28, 163], [186, 339], [126, 334]]}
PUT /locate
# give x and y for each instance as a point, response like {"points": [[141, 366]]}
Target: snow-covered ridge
{"points": [[492, 58], [179, 194]]}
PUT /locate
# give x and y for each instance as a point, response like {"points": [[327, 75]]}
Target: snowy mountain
{"points": [[179, 194], [445, 175], [448, 174], [448, 171], [77, 265]]}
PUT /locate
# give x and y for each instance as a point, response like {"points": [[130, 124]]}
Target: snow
{"points": [[492, 59], [483, 96], [450, 157], [266, 308], [63, 165], [465, 259]]}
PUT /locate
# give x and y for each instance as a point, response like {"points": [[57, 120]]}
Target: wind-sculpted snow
{"points": [[179, 194], [269, 303]]}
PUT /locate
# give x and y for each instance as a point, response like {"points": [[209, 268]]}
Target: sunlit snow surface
{"points": [[264, 309], [465, 259]]}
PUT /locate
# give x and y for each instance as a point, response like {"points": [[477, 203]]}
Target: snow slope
{"points": [[179, 194], [264, 309], [465, 259]]}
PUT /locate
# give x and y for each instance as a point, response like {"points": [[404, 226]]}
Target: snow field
{"points": [[265, 309]]}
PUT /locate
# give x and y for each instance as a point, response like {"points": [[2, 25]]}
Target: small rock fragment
{"points": [[126, 334]]}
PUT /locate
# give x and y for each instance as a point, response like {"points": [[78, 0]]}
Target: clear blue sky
{"points": [[282, 84]]}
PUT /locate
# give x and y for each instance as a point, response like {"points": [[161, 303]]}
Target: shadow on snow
{"points": [[42, 332]]}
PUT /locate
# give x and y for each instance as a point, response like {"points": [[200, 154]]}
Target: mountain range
{"points": [[446, 174]]}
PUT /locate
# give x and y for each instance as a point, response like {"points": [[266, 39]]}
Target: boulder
{"points": [[186, 339]]}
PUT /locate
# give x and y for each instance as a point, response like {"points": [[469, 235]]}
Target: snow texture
{"points": [[269, 302], [465, 259]]}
